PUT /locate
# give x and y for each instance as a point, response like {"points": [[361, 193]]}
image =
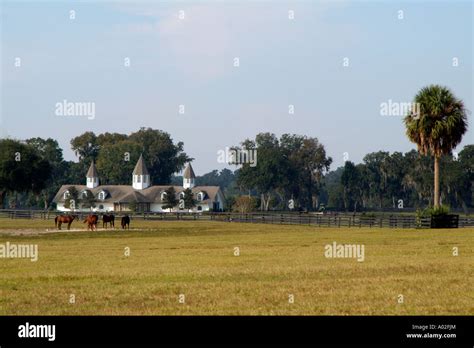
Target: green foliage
{"points": [[290, 167], [133, 206], [170, 201], [437, 126], [21, 169], [74, 200], [162, 156], [437, 211], [189, 201], [440, 124], [88, 200], [244, 204]]}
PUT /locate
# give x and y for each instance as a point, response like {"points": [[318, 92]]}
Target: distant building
{"points": [[141, 194]]}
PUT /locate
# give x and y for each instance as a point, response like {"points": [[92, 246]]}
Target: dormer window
{"points": [[101, 195], [163, 195], [66, 195], [200, 196], [84, 194], [181, 195]]}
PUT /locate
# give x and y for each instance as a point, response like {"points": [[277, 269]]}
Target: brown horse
{"points": [[106, 218], [67, 219], [125, 222], [91, 221]]}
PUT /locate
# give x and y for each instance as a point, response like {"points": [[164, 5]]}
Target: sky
{"points": [[334, 62]]}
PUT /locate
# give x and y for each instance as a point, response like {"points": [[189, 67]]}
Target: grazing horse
{"points": [[91, 222], [106, 218], [125, 222], [60, 219]]}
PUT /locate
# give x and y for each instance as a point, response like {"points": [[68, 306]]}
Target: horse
{"points": [[125, 222], [106, 218], [91, 222], [60, 219]]}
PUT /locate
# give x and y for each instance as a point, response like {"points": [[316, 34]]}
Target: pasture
{"points": [[198, 259]]}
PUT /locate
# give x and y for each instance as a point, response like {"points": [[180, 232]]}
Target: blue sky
{"points": [[190, 61]]}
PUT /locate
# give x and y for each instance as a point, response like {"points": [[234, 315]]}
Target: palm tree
{"points": [[436, 125]]}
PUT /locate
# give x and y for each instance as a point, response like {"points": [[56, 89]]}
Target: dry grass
{"points": [[197, 259]]}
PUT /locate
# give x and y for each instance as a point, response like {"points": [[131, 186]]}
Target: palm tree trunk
{"points": [[436, 181]]}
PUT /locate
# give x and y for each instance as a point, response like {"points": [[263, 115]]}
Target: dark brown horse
{"points": [[67, 219], [91, 221], [106, 218], [125, 222]]}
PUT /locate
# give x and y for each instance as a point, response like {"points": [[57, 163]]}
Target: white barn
{"points": [[145, 197]]}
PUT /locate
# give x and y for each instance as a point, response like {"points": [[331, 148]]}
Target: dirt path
{"points": [[40, 231]]}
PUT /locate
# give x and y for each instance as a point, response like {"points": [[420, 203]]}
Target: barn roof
{"points": [[92, 172], [127, 194], [140, 167], [189, 172]]}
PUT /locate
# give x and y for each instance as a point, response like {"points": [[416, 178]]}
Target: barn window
{"points": [[163, 194], [199, 208], [102, 195], [200, 196], [67, 195], [84, 194]]}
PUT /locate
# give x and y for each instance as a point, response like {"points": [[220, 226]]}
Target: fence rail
{"points": [[312, 219]]}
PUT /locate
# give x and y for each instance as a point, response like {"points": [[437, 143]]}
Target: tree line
{"points": [[292, 171]]}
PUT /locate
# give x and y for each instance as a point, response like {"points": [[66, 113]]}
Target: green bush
{"points": [[429, 212], [433, 211]]}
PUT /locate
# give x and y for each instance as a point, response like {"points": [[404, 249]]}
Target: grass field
{"points": [[197, 259]]}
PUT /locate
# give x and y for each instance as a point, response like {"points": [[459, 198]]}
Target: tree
{"points": [[163, 157], [116, 161], [244, 204], [189, 201], [88, 200], [350, 182], [73, 200], [291, 167], [267, 175], [438, 127], [86, 147], [21, 169], [116, 154], [307, 165], [49, 150], [170, 201], [133, 206]]}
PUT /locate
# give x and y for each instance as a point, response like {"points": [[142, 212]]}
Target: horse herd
{"points": [[91, 220]]}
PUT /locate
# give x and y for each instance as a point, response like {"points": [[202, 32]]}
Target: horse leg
{"points": [[69, 225], [59, 225]]}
